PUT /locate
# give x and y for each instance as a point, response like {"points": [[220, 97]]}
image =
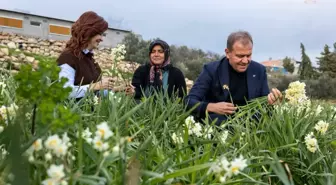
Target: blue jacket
{"points": [[208, 87]]}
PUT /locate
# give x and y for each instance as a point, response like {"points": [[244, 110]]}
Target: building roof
{"points": [[272, 63], [25, 13]]}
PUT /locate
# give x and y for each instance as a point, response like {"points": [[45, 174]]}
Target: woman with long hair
{"points": [[159, 74], [76, 61]]}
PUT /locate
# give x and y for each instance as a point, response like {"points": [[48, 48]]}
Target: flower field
{"points": [[47, 139]]}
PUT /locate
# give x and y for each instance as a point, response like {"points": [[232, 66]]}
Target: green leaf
{"points": [[315, 162], [182, 172], [90, 152]]}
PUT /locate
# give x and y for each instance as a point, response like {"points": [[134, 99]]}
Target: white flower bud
{"points": [[48, 156], [31, 159]]}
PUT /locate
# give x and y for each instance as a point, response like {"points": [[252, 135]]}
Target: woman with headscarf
{"points": [[159, 74], [76, 61]]}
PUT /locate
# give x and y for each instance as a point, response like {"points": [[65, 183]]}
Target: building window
{"points": [[62, 30], [11, 22], [35, 23]]}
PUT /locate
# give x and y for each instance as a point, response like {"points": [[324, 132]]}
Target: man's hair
{"points": [[243, 36]]}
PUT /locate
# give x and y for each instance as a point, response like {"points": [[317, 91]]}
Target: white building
{"points": [[49, 27], [277, 65]]}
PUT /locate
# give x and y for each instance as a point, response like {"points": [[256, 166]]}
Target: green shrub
{"points": [[281, 81], [322, 88]]}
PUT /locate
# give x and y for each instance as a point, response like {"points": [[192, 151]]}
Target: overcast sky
{"points": [[277, 26]]}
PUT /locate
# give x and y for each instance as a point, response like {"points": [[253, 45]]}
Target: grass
{"points": [[143, 149]]}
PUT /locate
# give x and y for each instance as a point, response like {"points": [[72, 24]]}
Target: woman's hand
{"points": [[129, 90], [105, 83]]}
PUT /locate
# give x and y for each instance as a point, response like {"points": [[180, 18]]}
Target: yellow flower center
{"points": [[102, 132], [52, 142], [234, 169], [99, 143], [36, 144]]}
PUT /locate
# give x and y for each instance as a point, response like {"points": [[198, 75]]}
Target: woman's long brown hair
{"points": [[87, 26]]}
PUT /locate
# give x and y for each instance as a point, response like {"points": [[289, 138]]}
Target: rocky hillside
{"points": [[17, 49], [52, 48]]}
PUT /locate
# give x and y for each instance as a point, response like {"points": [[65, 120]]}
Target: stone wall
{"points": [[51, 48]]}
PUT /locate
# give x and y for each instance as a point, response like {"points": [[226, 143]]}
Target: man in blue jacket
{"points": [[237, 73]]}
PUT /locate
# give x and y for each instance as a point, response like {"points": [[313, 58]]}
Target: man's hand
{"points": [[274, 97], [222, 108]]}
